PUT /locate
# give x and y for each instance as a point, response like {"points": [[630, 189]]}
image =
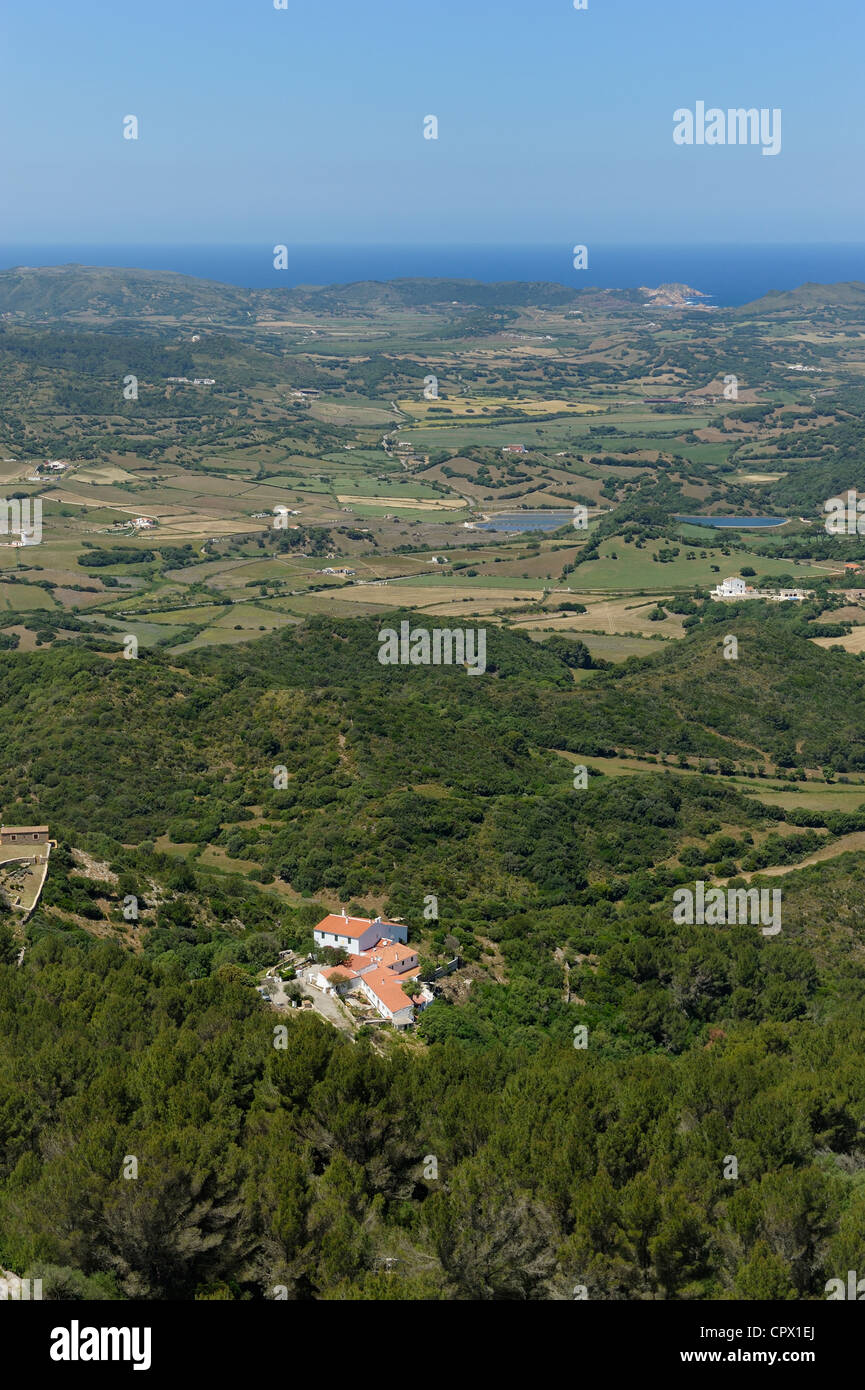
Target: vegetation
{"points": [[585, 1075]]}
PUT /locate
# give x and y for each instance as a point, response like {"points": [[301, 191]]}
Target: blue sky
{"points": [[306, 124]]}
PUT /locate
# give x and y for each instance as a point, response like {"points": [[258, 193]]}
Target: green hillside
{"points": [[308, 1167], [782, 700]]}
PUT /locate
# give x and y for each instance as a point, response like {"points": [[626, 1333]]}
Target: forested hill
{"points": [[308, 1170], [144, 739], [846, 297], [308, 1167], [52, 293], [184, 746], [55, 293], [781, 700]]}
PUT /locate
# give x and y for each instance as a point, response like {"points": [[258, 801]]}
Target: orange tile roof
{"points": [[391, 952], [384, 954], [336, 923], [353, 966], [346, 971], [388, 987]]}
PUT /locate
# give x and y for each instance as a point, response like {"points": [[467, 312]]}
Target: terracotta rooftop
{"points": [[340, 925], [388, 986]]}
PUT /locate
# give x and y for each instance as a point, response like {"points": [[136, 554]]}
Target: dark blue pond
{"points": [[745, 522], [526, 521]]}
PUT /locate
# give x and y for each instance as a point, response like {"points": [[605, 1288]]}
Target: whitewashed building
{"points": [[376, 966], [356, 933], [732, 587]]}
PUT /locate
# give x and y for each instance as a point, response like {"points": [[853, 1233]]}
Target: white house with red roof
{"points": [[356, 933], [376, 967]]}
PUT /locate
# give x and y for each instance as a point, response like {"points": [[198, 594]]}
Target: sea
{"points": [[727, 274]]}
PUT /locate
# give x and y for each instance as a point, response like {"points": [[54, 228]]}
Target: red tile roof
{"points": [[339, 925], [352, 967], [388, 987], [391, 953], [344, 926]]}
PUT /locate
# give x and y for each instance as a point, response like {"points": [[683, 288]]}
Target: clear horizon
{"points": [[555, 126], [726, 274], [453, 245]]}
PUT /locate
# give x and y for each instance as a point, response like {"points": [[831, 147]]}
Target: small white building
{"points": [[731, 587], [737, 588]]}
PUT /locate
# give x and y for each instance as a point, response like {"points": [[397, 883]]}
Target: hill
{"points": [[782, 700], [306, 1167], [83, 293], [51, 293], [848, 296]]}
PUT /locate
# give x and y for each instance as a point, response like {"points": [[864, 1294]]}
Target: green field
{"points": [[635, 569]]}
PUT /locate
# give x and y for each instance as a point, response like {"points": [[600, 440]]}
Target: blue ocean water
{"points": [[729, 275]]}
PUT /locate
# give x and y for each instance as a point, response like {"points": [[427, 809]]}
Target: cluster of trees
{"points": [[380, 796], [156, 1143], [339, 1171], [99, 556]]}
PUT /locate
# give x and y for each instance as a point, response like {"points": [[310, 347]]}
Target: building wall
{"points": [[356, 944], [408, 964], [340, 987], [403, 1016], [400, 1017], [373, 998], [393, 931]]}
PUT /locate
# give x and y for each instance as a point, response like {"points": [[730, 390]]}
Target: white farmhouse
{"points": [[731, 587], [737, 588], [376, 966], [356, 933]]}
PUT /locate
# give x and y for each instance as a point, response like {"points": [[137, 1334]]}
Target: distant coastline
{"points": [[723, 275]]}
